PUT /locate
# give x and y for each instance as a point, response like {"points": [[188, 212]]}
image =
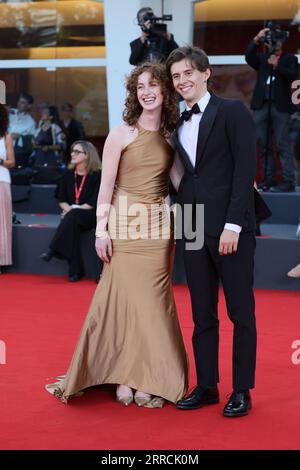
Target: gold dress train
{"points": [[131, 335]]}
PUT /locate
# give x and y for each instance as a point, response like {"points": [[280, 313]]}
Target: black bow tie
{"points": [[188, 114]]}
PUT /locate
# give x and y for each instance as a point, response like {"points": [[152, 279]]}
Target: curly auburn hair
{"points": [[170, 109], [4, 120]]}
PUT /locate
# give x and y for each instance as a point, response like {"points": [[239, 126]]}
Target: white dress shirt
{"points": [[188, 136], [21, 123]]}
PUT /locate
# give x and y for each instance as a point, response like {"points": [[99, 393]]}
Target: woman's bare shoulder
{"points": [[122, 132]]}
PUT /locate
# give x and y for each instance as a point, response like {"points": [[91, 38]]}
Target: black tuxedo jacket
{"points": [[224, 173], [285, 73]]}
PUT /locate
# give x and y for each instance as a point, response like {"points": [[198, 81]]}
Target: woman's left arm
{"points": [[10, 154]]}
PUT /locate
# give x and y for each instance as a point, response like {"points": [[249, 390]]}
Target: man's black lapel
{"points": [[206, 124], [184, 156]]}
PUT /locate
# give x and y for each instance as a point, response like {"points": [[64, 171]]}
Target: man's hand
{"points": [[228, 242], [261, 34]]}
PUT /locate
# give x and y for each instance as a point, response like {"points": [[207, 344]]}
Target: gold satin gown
{"points": [[131, 335]]}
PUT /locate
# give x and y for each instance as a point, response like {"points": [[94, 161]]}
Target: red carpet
{"points": [[40, 322]]}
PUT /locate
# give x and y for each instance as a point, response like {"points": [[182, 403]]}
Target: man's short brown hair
{"points": [[195, 55]]}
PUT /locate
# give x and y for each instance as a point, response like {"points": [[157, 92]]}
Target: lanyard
{"points": [[78, 190]]}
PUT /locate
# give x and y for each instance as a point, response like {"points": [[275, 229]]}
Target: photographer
{"points": [[155, 43], [272, 103]]}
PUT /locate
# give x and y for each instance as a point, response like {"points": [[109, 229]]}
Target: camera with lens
{"points": [[274, 35], [156, 25]]}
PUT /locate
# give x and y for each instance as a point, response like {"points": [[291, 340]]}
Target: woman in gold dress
{"points": [[131, 336]]}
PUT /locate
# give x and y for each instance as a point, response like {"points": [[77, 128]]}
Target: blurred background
{"points": [[57, 50]]}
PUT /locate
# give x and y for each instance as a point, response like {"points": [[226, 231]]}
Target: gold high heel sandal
{"points": [[125, 400], [143, 399]]}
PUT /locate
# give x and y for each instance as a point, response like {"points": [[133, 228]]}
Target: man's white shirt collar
{"points": [[203, 102]]}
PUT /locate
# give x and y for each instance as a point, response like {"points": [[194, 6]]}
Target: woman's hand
{"points": [[65, 210], [104, 248]]}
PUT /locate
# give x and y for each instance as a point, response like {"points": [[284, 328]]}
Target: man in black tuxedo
{"points": [[215, 140], [273, 105]]}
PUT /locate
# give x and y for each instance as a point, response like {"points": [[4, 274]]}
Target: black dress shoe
{"points": [[238, 405], [75, 277], [283, 188], [48, 255], [199, 397]]}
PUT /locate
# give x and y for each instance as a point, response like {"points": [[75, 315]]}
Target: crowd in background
{"points": [[49, 149], [41, 135], [44, 141]]}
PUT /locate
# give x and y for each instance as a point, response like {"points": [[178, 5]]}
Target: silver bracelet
{"points": [[102, 234]]}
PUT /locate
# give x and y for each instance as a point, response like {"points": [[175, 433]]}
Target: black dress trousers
{"points": [[66, 241]]}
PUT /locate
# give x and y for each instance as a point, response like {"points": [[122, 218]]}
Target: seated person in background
{"points": [[49, 140], [77, 196], [22, 129], [72, 128]]}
